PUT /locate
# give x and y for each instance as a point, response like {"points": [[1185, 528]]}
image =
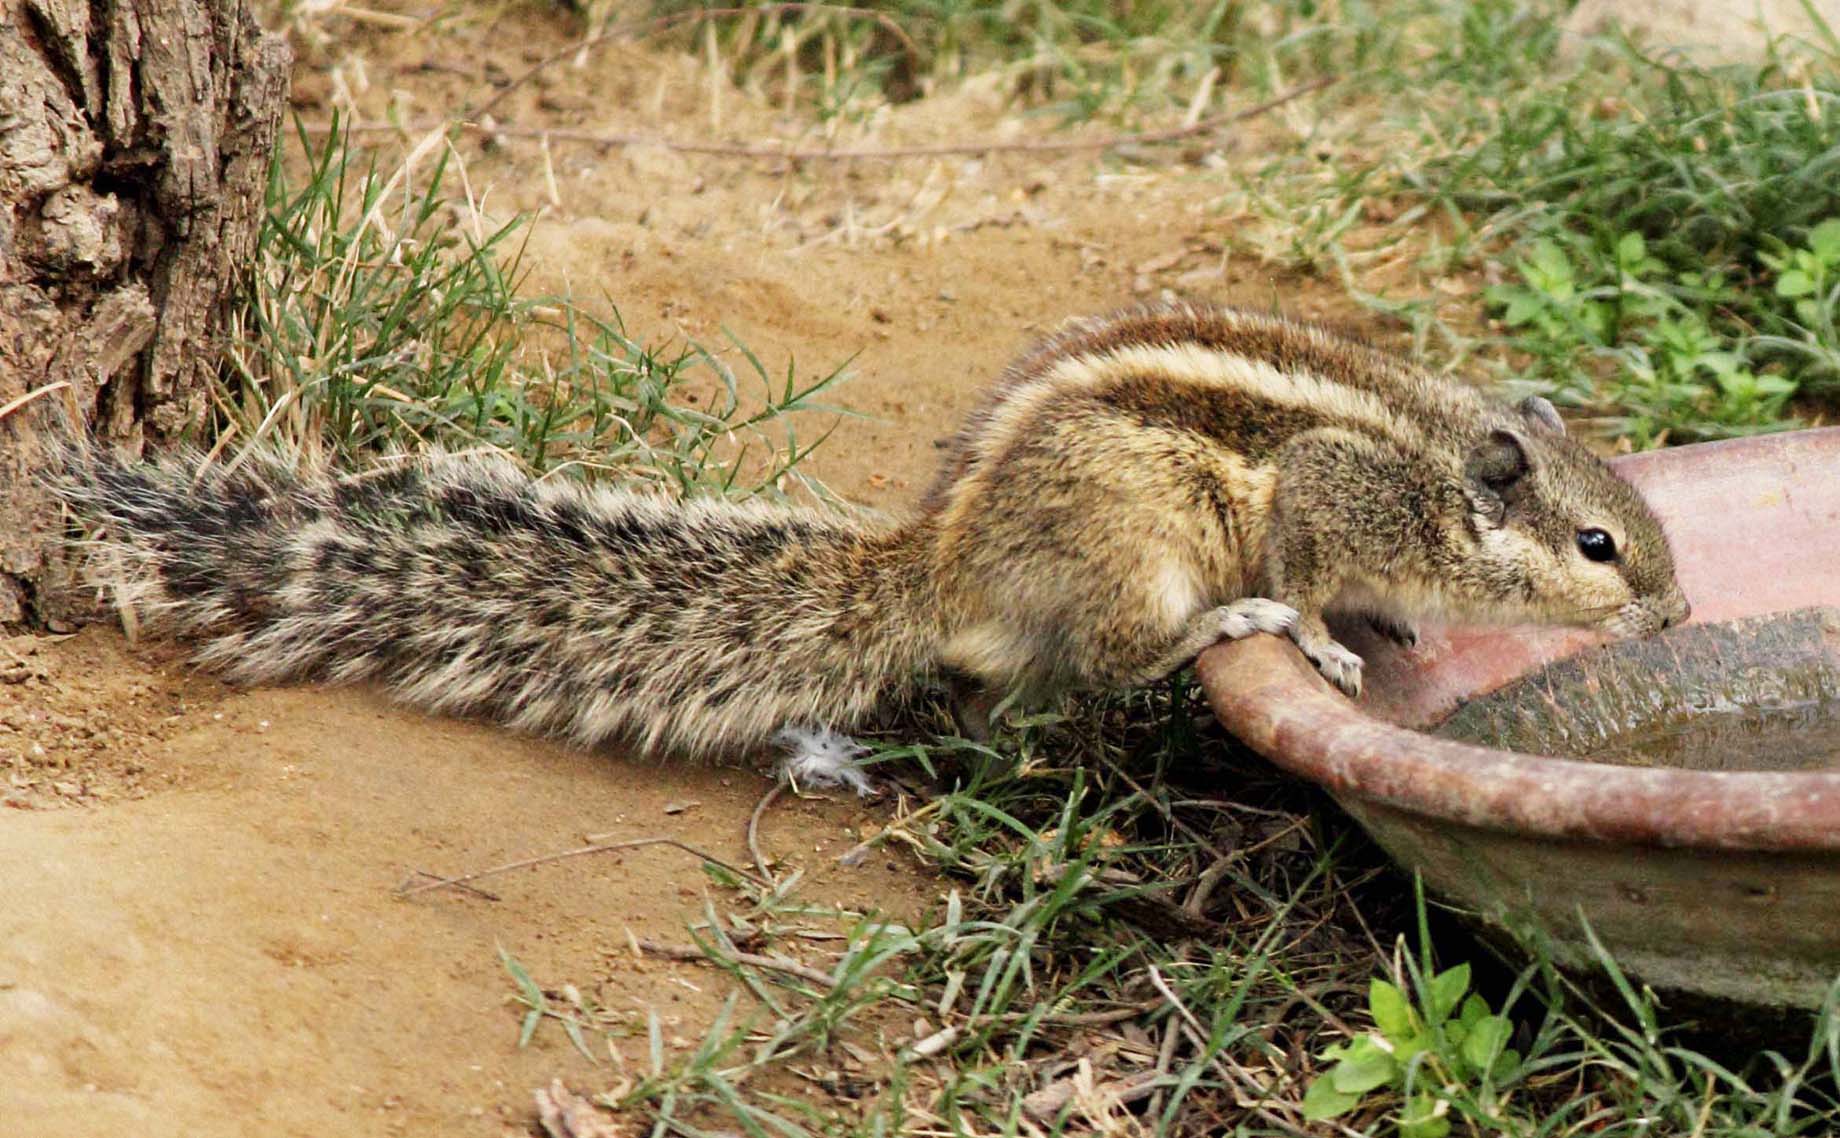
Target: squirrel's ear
{"points": [[1540, 414], [1494, 471]]}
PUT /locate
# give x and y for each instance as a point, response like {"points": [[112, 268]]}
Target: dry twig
{"points": [[406, 890], [1230, 1072], [564, 1114], [475, 890], [753, 828], [774, 963], [1047, 1103], [847, 154]]}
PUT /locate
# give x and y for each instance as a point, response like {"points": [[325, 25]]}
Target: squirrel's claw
{"points": [[1337, 664], [1397, 629]]}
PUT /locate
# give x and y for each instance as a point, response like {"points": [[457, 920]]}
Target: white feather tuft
{"points": [[823, 758]]}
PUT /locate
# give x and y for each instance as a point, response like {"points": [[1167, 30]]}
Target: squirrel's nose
{"points": [[1679, 611]]}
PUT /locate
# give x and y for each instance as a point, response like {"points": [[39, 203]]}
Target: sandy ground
{"points": [[210, 944], [199, 934]]}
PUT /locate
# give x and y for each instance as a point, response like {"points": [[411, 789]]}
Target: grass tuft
{"points": [[385, 312], [1145, 931], [1674, 241], [1066, 61]]}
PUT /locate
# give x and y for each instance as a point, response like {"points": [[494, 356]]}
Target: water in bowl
{"points": [[1803, 737], [1760, 694]]}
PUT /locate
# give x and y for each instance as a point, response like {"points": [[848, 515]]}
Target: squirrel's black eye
{"points": [[1597, 545]]}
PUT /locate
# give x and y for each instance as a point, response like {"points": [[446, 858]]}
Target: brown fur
{"points": [[1254, 456]]}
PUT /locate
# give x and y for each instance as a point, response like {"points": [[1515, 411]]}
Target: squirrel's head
{"points": [[1562, 535]]}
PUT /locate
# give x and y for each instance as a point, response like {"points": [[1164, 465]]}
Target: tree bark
{"points": [[135, 140]]}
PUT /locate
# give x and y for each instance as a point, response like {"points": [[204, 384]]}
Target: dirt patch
{"points": [[228, 955], [82, 719], [209, 942]]}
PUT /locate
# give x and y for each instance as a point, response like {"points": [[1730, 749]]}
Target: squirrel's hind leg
{"points": [[974, 704]]}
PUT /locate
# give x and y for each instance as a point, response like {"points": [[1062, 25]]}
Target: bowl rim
{"points": [[1268, 695]]}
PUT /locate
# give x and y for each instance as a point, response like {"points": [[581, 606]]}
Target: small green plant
{"points": [[538, 1006], [1615, 331], [383, 313], [1810, 276], [1567, 296], [1809, 279], [1420, 1051]]}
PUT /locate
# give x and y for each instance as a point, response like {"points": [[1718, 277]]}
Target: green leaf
{"points": [[1737, 383], [1474, 1008], [1392, 1013], [529, 991], [1630, 251], [1522, 309], [1486, 1038], [1794, 283], [1519, 304], [1598, 318], [1322, 1101], [1507, 1066], [1365, 1068], [1548, 269], [1445, 991], [1824, 239], [1404, 1050], [1422, 1118], [574, 1032]]}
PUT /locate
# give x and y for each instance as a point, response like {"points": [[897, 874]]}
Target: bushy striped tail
{"points": [[468, 587]]}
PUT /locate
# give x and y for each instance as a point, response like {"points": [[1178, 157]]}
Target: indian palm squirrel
{"points": [[1131, 490]]}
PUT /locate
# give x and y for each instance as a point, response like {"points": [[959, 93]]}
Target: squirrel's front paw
{"points": [[1337, 664], [1248, 615]]}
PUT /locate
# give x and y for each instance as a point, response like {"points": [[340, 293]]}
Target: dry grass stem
{"points": [[772, 963], [849, 154], [580, 851]]}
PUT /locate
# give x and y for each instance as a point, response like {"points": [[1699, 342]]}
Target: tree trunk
{"points": [[135, 138]]}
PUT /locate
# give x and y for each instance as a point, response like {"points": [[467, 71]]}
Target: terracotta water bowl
{"points": [[1711, 882]]}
